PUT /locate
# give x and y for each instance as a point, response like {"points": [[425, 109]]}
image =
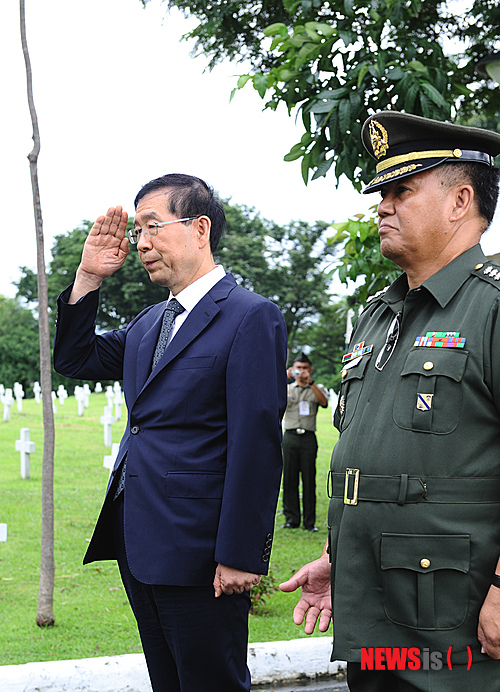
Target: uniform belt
{"points": [[355, 487], [298, 431]]}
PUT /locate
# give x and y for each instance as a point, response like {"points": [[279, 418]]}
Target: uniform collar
{"points": [[442, 285]]}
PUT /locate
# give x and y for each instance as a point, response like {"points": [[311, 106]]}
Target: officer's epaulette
{"points": [[488, 271], [376, 295]]}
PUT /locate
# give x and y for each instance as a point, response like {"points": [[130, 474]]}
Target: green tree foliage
{"points": [[19, 344], [287, 264], [362, 257], [339, 61]]}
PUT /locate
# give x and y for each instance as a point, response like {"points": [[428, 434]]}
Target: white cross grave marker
{"points": [[80, 397], [118, 401], [109, 459], [62, 394], [110, 395], [3, 533], [26, 447], [7, 401], [2, 390], [54, 397], [38, 392], [19, 394], [87, 392], [107, 420], [98, 388]]}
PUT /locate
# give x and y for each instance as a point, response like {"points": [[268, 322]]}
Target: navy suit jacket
{"points": [[203, 437]]}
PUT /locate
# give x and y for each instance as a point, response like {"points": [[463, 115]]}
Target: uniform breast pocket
{"points": [[350, 389], [429, 395], [426, 579]]}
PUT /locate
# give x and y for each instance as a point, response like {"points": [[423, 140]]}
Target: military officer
{"points": [[414, 517]]}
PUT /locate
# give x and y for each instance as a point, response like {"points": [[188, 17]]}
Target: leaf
{"points": [[322, 169], [260, 84], [434, 95], [242, 80], [277, 28], [362, 72], [417, 66], [344, 115], [304, 168], [323, 107]]}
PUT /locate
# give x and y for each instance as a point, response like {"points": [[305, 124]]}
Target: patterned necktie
{"points": [[173, 309]]}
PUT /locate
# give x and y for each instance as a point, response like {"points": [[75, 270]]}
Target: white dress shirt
{"points": [[192, 294]]}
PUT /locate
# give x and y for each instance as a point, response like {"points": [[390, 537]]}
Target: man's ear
{"points": [[463, 201], [203, 230]]}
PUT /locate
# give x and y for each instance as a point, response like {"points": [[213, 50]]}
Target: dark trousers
{"points": [[482, 677], [192, 641], [299, 459]]}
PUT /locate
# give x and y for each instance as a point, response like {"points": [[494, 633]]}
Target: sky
{"points": [[120, 101]]}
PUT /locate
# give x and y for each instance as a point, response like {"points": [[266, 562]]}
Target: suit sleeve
{"points": [[78, 351], [256, 400]]}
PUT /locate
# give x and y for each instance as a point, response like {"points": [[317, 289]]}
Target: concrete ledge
{"points": [[272, 662]]}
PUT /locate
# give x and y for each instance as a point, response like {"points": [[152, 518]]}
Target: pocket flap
{"points": [[425, 553], [198, 485], [449, 362], [355, 372]]}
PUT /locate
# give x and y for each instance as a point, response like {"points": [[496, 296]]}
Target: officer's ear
{"points": [[463, 201]]}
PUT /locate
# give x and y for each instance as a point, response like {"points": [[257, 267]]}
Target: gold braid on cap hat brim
{"points": [[435, 154]]}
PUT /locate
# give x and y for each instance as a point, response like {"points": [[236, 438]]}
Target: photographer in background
{"points": [[300, 446]]}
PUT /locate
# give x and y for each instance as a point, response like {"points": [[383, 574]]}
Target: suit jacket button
{"points": [[134, 429]]}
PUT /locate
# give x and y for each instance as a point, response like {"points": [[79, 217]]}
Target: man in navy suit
{"points": [[190, 507]]}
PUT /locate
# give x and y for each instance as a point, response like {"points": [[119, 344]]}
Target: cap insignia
{"points": [[379, 139]]}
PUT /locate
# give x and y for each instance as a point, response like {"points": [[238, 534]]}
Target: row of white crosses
{"points": [[115, 397]]}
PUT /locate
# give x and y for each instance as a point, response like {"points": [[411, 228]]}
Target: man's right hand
{"points": [[104, 252], [316, 599]]}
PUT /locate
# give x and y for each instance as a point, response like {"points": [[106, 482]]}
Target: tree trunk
{"points": [[45, 615]]}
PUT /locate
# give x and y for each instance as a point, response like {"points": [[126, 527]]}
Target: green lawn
{"points": [[92, 614]]}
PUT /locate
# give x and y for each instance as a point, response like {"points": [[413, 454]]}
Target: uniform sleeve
{"points": [[492, 353]]}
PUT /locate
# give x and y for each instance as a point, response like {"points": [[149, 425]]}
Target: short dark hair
{"points": [[484, 181], [189, 196]]}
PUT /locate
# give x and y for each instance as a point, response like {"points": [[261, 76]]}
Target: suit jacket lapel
{"points": [[147, 346], [198, 319]]}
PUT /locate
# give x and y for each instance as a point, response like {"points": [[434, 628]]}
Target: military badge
{"points": [[379, 139], [357, 351], [441, 339], [424, 402]]}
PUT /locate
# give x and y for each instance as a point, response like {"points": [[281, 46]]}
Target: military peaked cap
{"points": [[405, 144]]}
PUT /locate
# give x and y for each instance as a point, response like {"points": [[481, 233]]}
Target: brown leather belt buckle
{"points": [[354, 499]]}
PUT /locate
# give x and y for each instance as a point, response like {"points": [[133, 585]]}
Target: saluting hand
{"points": [[104, 252]]}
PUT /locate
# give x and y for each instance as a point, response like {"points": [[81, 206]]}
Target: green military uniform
{"points": [[419, 416], [300, 448]]}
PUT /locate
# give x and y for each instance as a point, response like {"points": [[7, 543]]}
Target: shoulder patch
{"points": [[488, 271]]}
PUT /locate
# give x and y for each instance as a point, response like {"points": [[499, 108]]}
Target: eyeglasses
{"points": [[390, 343], [151, 228]]}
